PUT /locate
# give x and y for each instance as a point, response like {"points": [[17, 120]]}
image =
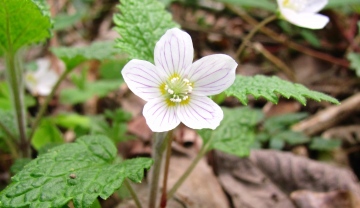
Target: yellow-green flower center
{"points": [[176, 90]]}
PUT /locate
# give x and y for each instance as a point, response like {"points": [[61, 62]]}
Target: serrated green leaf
{"points": [[17, 29], [236, 132], [79, 171], [99, 88], [322, 144], [73, 56], [46, 133], [259, 4], [140, 25], [19, 165], [354, 59], [271, 87]]}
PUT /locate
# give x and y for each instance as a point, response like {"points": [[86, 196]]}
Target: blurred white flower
{"points": [[304, 13], [41, 81], [176, 89]]}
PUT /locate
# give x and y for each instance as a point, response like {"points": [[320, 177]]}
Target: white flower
{"points": [[303, 13], [176, 89], [41, 81]]}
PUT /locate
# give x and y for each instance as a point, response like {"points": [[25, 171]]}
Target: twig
{"points": [[275, 60], [282, 39], [329, 116], [252, 33]]}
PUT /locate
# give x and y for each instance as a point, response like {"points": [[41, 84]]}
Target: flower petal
{"points": [[142, 79], [46, 82], [307, 20], [200, 112], [314, 6], [174, 52], [212, 74], [159, 116]]}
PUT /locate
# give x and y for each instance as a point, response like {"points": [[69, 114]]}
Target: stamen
{"points": [[170, 91], [178, 89]]}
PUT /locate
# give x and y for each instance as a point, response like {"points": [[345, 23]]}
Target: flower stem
{"points": [[15, 79], [44, 106], [132, 193], [158, 150], [204, 149], [166, 170], [252, 33]]}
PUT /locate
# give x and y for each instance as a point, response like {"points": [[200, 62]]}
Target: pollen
{"points": [[297, 5]]}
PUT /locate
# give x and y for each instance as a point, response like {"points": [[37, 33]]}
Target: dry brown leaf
{"points": [[332, 199], [268, 177]]}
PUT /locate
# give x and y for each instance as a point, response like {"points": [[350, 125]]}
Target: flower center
{"points": [[31, 79], [297, 5], [177, 90]]}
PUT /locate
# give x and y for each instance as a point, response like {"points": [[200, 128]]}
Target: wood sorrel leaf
{"points": [[79, 171], [23, 22], [236, 132], [141, 24], [271, 87]]}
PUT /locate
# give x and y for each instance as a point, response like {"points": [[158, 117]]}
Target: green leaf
{"points": [[309, 36], [270, 88], [71, 120], [23, 22], [63, 21], [116, 131], [79, 171], [236, 132], [259, 4], [73, 56], [111, 69], [45, 134], [5, 99], [140, 25], [292, 137], [99, 88], [19, 165], [7, 119], [282, 122], [119, 115], [322, 144], [354, 59], [339, 3]]}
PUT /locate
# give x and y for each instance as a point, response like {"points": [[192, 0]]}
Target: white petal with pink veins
{"points": [[142, 79], [200, 112], [159, 116], [212, 74], [174, 52]]}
